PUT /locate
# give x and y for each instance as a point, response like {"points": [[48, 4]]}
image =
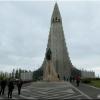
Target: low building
{"points": [[27, 76], [87, 74]]}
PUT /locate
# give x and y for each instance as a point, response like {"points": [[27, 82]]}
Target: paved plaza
{"points": [[48, 90]]}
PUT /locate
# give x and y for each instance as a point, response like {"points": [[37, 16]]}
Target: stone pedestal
{"points": [[49, 72]]}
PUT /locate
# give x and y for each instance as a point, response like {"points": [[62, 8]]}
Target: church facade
{"points": [[57, 44]]}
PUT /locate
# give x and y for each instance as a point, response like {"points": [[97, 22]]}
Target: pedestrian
{"points": [[10, 88], [19, 85], [67, 78], [64, 78], [70, 78], [58, 77], [3, 85], [77, 80], [73, 78]]}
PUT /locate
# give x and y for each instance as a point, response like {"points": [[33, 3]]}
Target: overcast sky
{"points": [[24, 30]]}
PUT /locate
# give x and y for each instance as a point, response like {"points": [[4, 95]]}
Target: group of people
{"points": [[10, 84], [72, 79], [76, 79]]}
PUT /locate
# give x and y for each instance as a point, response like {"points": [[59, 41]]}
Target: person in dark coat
{"points": [[10, 88], [19, 85], [58, 77], [73, 78], [77, 80], [3, 85], [70, 78], [64, 78]]}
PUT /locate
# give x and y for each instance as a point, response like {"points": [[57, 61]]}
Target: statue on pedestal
{"points": [[49, 54], [49, 71]]}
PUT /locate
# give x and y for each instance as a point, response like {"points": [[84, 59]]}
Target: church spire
{"points": [[57, 44], [56, 17]]}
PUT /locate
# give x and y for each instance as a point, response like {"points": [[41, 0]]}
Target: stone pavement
{"points": [[48, 90]]}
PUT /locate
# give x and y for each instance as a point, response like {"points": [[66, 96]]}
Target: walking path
{"points": [[49, 90], [91, 91]]}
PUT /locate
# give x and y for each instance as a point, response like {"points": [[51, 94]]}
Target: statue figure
{"points": [[48, 54]]}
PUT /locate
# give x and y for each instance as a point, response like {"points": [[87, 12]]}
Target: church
{"points": [[56, 42]]}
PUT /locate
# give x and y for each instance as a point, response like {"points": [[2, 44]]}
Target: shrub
{"points": [[86, 80]]}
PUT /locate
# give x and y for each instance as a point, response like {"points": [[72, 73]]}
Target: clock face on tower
{"points": [[56, 19]]}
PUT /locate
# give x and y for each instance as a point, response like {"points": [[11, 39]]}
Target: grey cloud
{"points": [[24, 30]]}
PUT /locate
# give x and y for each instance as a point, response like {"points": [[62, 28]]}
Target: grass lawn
{"points": [[95, 83]]}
